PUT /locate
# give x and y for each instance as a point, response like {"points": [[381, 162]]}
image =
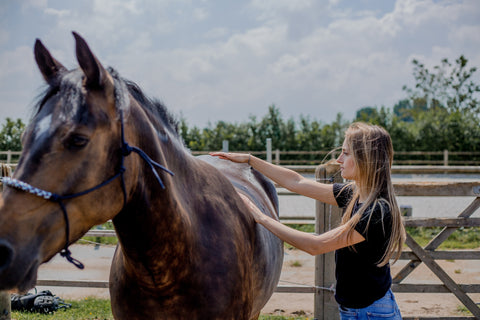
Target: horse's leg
{"points": [[256, 316]]}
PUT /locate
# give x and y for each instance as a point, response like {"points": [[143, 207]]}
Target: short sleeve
{"points": [[343, 194]]}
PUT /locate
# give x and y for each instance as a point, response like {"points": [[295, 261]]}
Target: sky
{"points": [[226, 60]]}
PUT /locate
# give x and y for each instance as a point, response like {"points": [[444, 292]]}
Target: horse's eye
{"points": [[76, 141]]}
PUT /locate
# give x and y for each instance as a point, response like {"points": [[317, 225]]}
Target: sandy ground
{"points": [[298, 269]]}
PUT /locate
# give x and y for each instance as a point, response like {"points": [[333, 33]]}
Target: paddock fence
{"points": [[328, 217], [444, 158]]}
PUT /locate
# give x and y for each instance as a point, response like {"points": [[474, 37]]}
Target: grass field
{"points": [[98, 309]]}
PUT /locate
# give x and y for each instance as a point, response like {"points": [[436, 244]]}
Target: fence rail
{"points": [[445, 157]]}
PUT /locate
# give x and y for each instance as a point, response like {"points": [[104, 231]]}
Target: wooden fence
{"points": [[327, 217], [445, 157], [9, 157]]}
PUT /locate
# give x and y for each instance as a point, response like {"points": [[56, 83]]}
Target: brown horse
{"points": [[97, 149]]}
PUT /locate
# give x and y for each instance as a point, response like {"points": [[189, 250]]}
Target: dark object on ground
{"points": [[42, 302]]}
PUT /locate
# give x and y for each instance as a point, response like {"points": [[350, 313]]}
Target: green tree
{"points": [[447, 86], [272, 126], [10, 135], [374, 116]]}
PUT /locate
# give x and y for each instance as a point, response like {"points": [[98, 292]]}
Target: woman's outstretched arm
{"points": [[286, 178], [313, 244]]}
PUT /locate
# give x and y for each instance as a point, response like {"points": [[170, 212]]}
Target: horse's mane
{"points": [[154, 107]]}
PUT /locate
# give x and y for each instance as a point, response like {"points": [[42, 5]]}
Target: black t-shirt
{"points": [[360, 282]]}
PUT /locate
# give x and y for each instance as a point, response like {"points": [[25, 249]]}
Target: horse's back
{"points": [[268, 249], [248, 181]]}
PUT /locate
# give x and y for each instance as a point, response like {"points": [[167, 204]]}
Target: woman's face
{"points": [[347, 165]]}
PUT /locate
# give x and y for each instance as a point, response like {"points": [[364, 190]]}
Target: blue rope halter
{"points": [[126, 151]]}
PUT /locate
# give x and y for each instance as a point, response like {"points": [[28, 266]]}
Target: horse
{"points": [[98, 149]]}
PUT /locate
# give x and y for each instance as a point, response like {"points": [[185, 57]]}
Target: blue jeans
{"points": [[383, 308]]}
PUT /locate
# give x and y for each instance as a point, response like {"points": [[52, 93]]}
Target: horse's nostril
{"points": [[6, 254]]}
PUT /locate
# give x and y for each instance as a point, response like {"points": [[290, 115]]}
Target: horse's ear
{"points": [[48, 65], [95, 74]]}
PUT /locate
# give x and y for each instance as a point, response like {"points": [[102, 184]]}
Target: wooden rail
{"points": [[445, 157]]}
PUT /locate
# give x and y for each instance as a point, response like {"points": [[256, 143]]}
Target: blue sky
{"points": [[228, 60]]}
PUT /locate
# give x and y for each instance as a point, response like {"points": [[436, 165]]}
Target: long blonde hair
{"points": [[372, 150]]}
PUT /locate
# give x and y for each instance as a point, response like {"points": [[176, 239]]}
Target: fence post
{"points": [[277, 156], [9, 156], [225, 146], [5, 304], [5, 310], [445, 157], [326, 217], [269, 150]]}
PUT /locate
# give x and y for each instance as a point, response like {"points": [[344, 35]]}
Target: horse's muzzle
{"points": [[16, 271]]}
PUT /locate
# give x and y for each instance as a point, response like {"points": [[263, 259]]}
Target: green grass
{"points": [[101, 240], [85, 309], [99, 309], [462, 238]]}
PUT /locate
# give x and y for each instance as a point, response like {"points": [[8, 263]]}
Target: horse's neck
{"points": [[153, 228]]}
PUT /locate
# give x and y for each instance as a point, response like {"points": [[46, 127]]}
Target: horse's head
{"points": [[73, 144]]}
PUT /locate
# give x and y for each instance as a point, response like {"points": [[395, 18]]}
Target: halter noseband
{"points": [[126, 151]]}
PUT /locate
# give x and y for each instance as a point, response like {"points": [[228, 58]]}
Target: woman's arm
{"points": [[286, 178], [311, 243]]}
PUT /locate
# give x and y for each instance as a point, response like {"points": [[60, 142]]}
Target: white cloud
{"points": [[27, 4], [309, 57], [200, 14], [19, 82], [4, 37], [342, 66], [55, 12], [216, 33]]}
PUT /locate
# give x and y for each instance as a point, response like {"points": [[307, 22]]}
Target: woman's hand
{"points": [[256, 213], [235, 157]]}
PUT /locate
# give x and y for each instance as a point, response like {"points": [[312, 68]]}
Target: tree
{"points": [[272, 126], [374, 116], [10, 135], [448, 86]]}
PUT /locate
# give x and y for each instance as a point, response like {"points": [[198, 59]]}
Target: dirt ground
{"points": [[298, 269]]}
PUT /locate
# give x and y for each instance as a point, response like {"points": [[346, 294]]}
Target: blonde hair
{"points": [[372, 150]]}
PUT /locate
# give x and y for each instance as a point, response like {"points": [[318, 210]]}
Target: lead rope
{"points": [[126, 151]]}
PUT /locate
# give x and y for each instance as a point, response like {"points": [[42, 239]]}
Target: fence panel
{"points": [[444, 158], [427, 255]]}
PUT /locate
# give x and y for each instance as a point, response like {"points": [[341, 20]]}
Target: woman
{"points": [[371, 232]]}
